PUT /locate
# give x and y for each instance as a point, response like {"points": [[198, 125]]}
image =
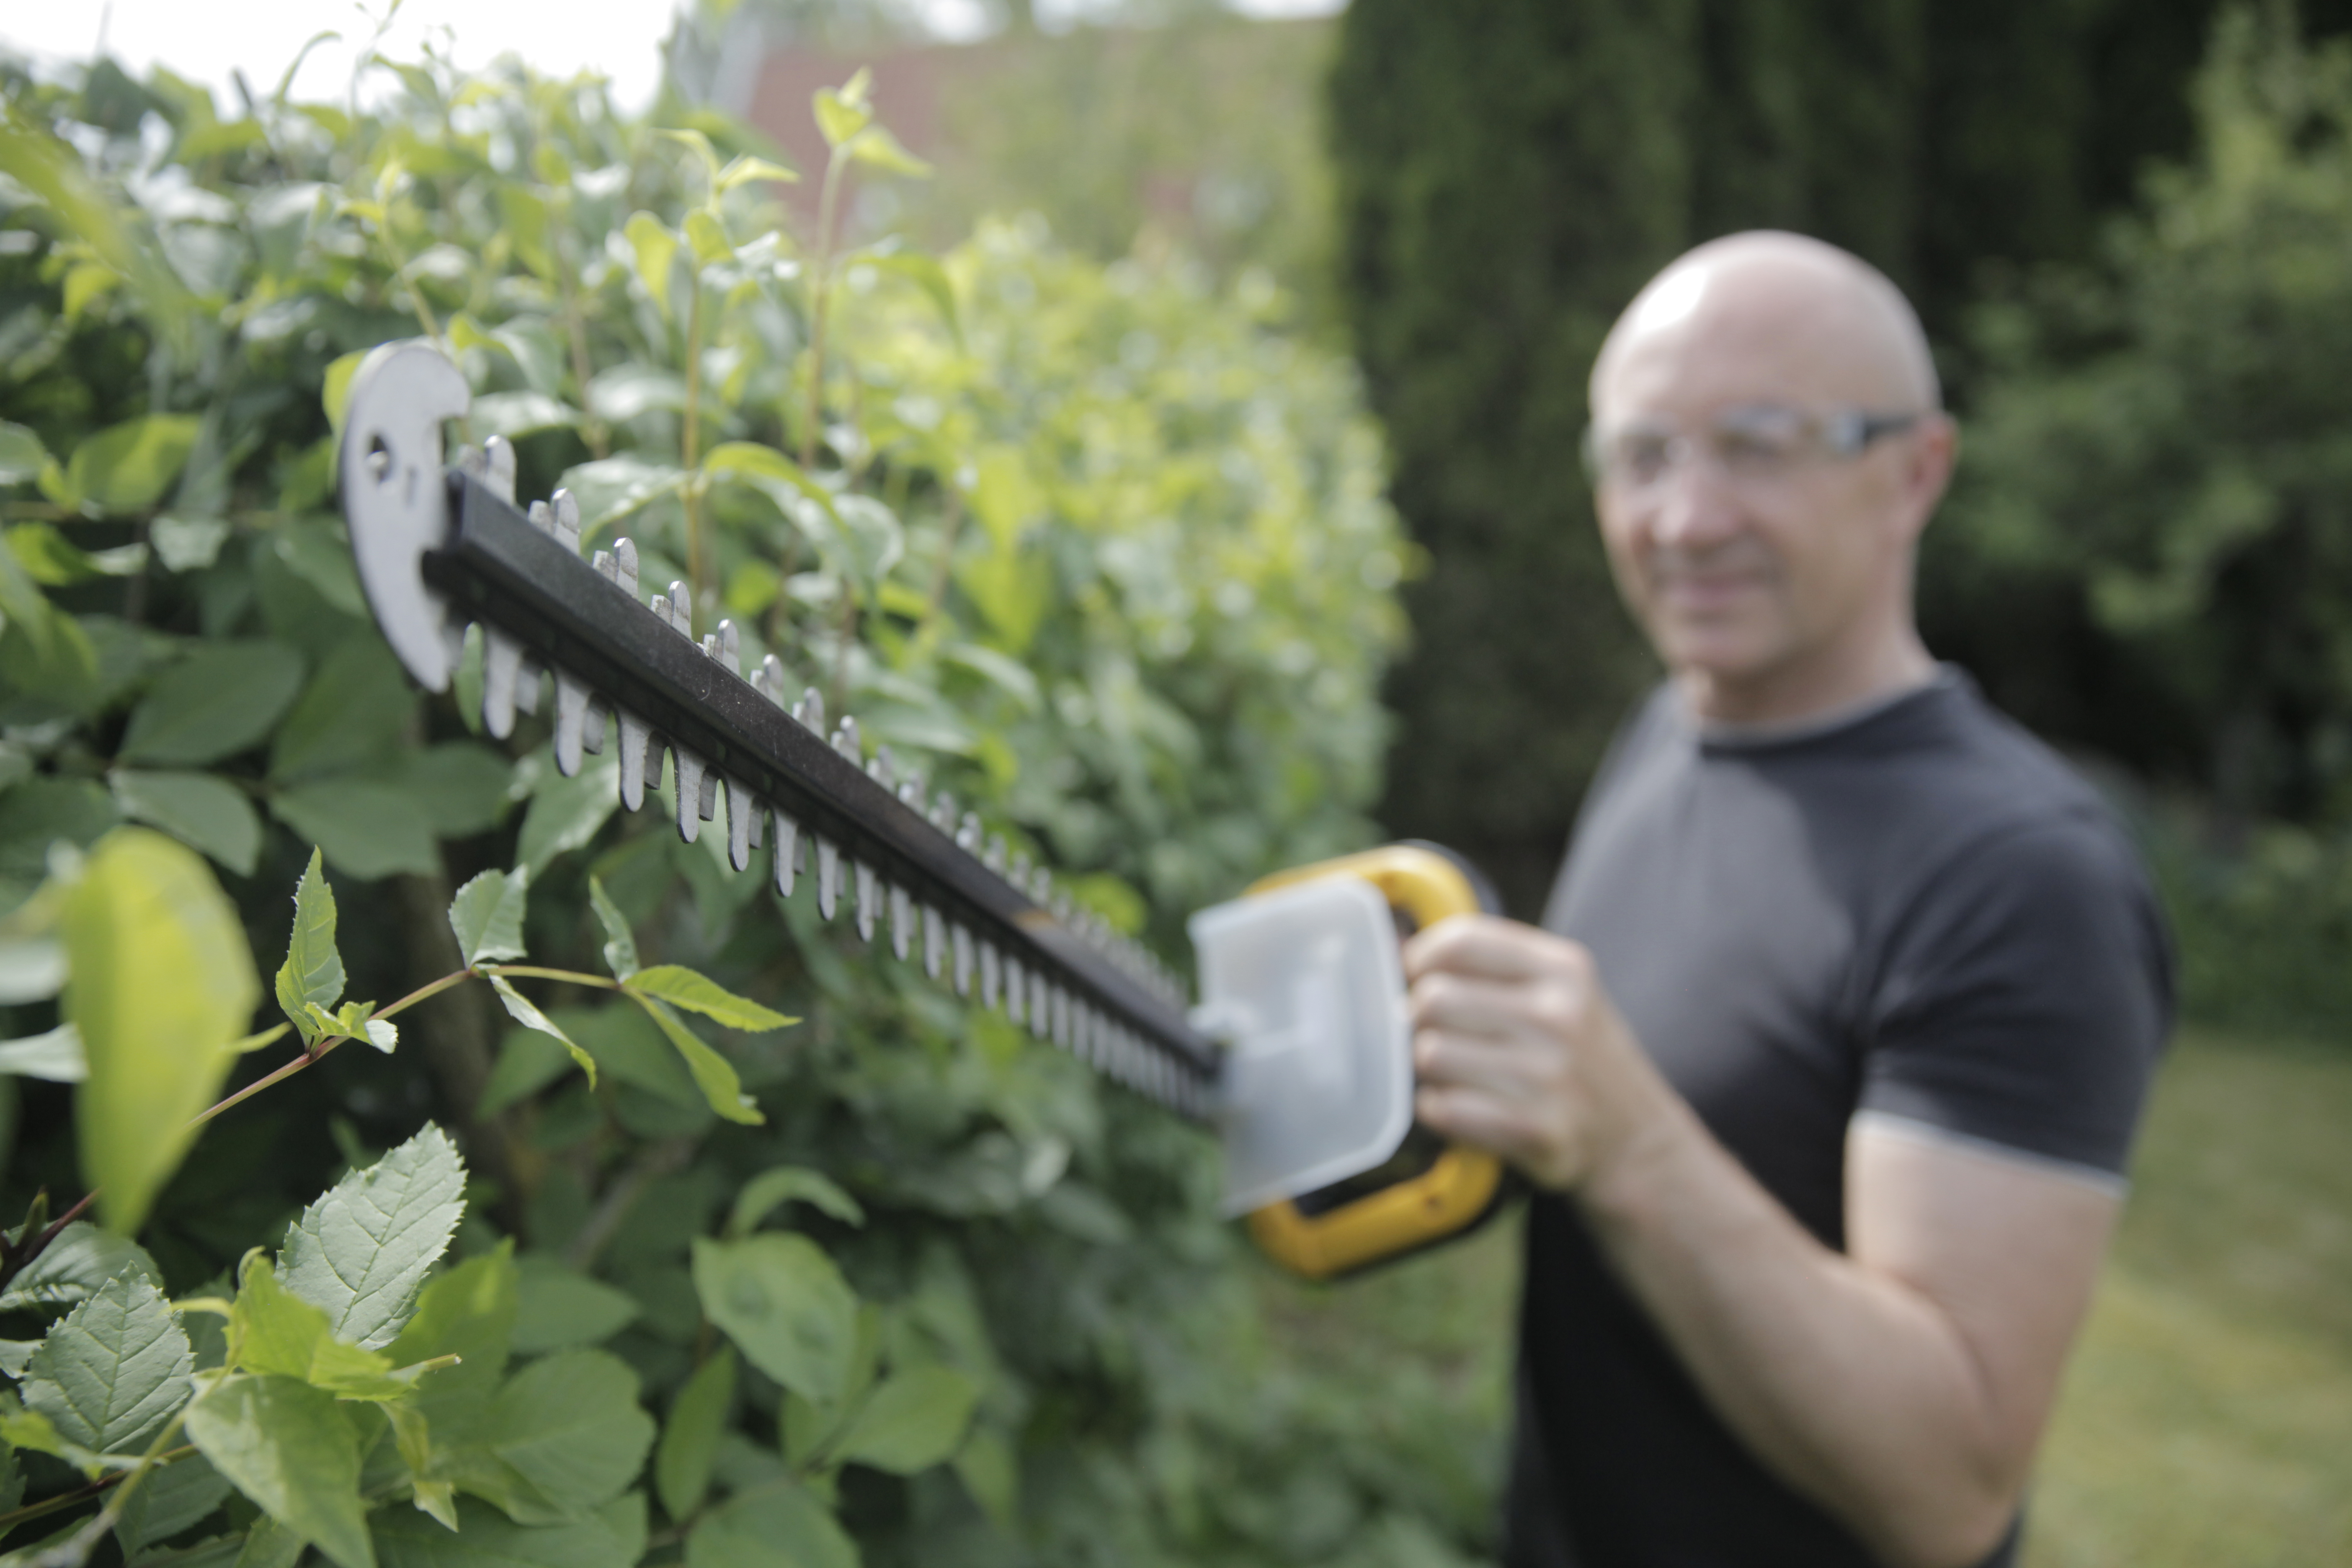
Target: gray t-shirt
{"points": [[1918, 913]]}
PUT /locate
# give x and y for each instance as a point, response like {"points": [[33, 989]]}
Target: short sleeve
{"points": [[2024, 997]]}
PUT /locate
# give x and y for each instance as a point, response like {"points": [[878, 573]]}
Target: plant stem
{"points": [[532, 971], [431, 988], [56, 1227], [690, 443], [819, 289], [64, 1500]]}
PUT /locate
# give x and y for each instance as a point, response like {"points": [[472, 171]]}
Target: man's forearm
{"points": [[1855, 1389]]}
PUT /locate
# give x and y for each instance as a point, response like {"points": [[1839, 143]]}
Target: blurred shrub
{"points": [[2166, 442], [2263, 931], [1101, 549]]}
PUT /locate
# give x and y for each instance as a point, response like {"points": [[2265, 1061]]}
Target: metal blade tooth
{"points": [[934, 931], [1061, 1016], [967, 834], [743, 826], [960, 941], [625, 565], [845, 740], [1082, 1029], [787, 853], [681, 610], [884, 768], [1016, 990], [828, 877], [992, 975], [708, 803], [942, 814], [636, 739], [868, 901], [571, 724], [540, 517], [772, 669], [498, 467], [902, 922], [810, 710], [756, 811], [1041, 1005], [731, 647], [689, 784], [501, 670], [993, 855], [1019, 875], [567, 519], [603, 561]]}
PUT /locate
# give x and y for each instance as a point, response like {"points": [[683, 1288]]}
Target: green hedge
{"points": [[1101, 549]]}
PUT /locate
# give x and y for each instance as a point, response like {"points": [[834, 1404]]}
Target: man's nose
{"points": [[1695, 505]]}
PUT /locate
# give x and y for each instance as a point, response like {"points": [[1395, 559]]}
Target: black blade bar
{"points": [[497, 568]]}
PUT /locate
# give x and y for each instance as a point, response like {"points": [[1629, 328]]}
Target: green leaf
{"points": [[219, 700], [21, 456], [335, 391], [743, 170], [468, 1312], [988, 1471], [784, 1304], [485, 1538], [361, 1251], [708, 237], [790, 1184], [74, 1268], [683, 987], [369, 830], [460, 787], [289, 1448], [564, 1437], [562, 1308], [278, 1332], [841, 113], [126, 467], [312, 974], [54, 1057], [875, 147], [162, 987], [566, 812], [689, 1443], [520, 1009], [115, 1370], [654, 247], [713, 1074], [913, 1421], [351, 716], [203, 812], [170, 1498], [780, 1523], [487, 916], [269, 1544], [620, 946]]}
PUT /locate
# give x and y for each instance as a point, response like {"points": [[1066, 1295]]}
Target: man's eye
{"points": [[1642, 456], [1752, 451]]}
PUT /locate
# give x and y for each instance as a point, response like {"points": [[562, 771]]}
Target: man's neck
{"points": [[1804, 696]]}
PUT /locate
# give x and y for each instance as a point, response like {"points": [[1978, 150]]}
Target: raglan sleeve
{"points": [[2024, 999]]}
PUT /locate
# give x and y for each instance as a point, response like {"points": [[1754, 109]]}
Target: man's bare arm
{"points": [[1902, 1385]]}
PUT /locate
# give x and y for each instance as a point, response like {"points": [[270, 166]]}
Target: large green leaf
{"points": [[361, 1251], [278, 1332], [351, 716], [689, 1441], [170, 1498], [292, 1450], [469, 1312], [781, 1525], [784, 1304], [21, 456], [72, 1268], [563, 1438], [713, 1074], [368, 830], [162, 986], [487, 916], [201, 811], [913, 1420], [114, 1369], [312, 974], [565, 813], [219, 700], [790, 1184], [126, 468], [562, 1308], [523, 1011], [485, 1538]]}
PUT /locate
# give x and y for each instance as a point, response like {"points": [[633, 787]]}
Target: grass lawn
{"points": [[2207, 1418]]}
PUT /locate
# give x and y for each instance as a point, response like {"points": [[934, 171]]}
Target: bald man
{"points": [[1828, 1059]]}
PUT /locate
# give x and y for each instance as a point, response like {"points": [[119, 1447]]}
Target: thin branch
{"points": [[657, 1160], [81, 1494]]}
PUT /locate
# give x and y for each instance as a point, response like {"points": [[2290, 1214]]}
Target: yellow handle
{"points": [[1460, 1187]]}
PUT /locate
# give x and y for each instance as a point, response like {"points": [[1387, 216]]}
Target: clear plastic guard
{"points": [[1306, 986]]}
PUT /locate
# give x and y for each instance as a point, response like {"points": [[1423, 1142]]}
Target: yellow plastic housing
{"points": [[1462, 1186]]}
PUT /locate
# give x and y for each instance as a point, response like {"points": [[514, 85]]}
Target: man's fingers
{"points": [[1519, 1066], [1483, 1121], [1492, 949], [1470, 1006]]}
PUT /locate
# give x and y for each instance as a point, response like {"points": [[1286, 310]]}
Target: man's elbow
{"points": [[1955, 1531]]}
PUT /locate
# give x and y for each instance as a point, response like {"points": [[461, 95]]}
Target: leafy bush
{"points": [[1100, 549]]}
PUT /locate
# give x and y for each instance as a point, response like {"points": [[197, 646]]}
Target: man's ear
{"points": [[1927, 467]]}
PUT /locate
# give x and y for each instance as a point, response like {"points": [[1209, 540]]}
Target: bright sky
{"points": [[205, 42]]}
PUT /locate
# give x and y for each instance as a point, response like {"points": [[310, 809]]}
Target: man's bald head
{"points": [[1824, 323]]}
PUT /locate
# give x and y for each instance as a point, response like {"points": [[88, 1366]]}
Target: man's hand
{"points": [[1517, 1050]]}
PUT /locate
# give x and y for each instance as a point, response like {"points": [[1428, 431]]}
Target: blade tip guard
{"points": [[394, 497]]}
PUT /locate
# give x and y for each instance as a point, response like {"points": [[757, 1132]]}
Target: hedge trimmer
{"points": [[1298, 1053]]}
